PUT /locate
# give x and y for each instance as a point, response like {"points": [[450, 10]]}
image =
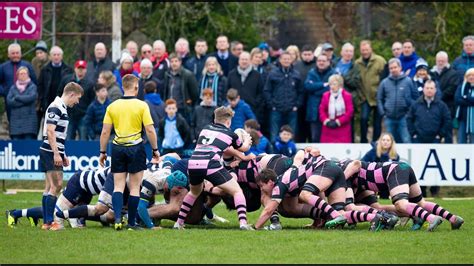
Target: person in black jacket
{"points": [[429, 121], [50, 78], [283, 93], [77, 113], [173, 131], [203, 114], [181, 85], [249, 83], [226, 59], [100, 62]]}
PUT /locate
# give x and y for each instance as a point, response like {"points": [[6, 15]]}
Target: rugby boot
{"points": [[376, 223], [457, 224], [436, 222], [389, 220], [11, 221], [336, 221]]}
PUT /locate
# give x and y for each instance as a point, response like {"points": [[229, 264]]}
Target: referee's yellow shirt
{"points": [[128, 115]]}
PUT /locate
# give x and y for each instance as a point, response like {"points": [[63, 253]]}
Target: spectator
{"points": [[181, 86], [147, 52], [394, 98], [95, 112], [101, 62], [236, 48], [161, 63], [226, 59], [284, 143], [258, 63], [303, 66], [77, 113], [328, 50], [107, 79], [50, 78], [21, 99], [421, 77], [370, 66], [173, 131], [408, 58], [204, 113], [316, 85], [41, 57], [345, 66], [294, 53], [429, 121], [447, 79], [196, 63], [8, 71], [248, 82], [274, 51], [396, 52], [307, 61], [466, 60], [335, 112], [283, 92], [132, 48], [125, 67], [383, 150], [242, 111], [155, 103], [464, 99], [267, 64], [263, 145], [181, 48], [212, 77], [146, 75]]}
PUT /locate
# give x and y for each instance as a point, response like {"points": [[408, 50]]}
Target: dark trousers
{"points": [[366, 109]]}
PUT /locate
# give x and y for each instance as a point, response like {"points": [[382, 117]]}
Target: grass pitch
{"points": [[223, 243]]}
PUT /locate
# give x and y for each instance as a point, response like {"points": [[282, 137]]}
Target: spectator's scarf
{"points": [[21, 85], [158, 61], [244, 73], [337, 107], [214, 78], [124, 72], [470, 109]]}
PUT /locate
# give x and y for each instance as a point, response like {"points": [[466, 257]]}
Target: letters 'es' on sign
{"points": [[21, 20]]}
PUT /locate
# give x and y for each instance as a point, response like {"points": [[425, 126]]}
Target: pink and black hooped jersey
{"points": [[373, 175], [213, 140]]}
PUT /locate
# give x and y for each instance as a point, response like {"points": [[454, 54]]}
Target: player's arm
{"points": [[238, 154], [50, 131], [104, 139], [267, 212], [352, 168]]}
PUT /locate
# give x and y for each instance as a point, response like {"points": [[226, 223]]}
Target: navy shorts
{"points": [[331, 170], [47, 161], [211, 170], [74, 192], [128, 159]]}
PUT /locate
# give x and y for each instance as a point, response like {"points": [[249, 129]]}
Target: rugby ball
{"points": [[241, 133]]}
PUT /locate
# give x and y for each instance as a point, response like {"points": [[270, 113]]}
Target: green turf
{"points": [[225, 244]]}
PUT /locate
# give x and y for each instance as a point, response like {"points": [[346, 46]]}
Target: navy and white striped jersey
{"points": [[154, 179], [56, 114], [93, 181]]}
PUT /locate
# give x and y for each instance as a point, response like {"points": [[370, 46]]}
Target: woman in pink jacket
{"points": [[335, 112]]}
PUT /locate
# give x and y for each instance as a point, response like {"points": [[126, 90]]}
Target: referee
{"points": [[127, 116]]}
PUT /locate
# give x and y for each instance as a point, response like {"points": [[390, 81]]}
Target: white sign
{"points": [[433, 164]]}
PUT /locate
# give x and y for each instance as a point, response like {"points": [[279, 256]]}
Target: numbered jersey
{"points": [[213, 140], [154, 179]]}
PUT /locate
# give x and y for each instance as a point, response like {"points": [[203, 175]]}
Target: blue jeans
{"points": [[462, 135], [365, 111], [278, 119], [398, 128], [76, 126]]}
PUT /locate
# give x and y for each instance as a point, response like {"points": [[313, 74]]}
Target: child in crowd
{"points": [[173, 130], [204, 113], [242, 110], [284, 143], [96, 111], [263, 145]]}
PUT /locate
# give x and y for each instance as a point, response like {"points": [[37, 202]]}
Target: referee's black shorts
{"points": [[128, 159]]}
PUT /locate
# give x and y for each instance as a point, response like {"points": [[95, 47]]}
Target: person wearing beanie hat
{"points": [[41, 58], [421, 76], [125, 67]]}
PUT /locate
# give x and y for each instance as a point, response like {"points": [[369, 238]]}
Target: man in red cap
{"points": [[77, 113]]}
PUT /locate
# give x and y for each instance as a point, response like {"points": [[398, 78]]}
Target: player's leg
{"points": [[33, 215], [232, 188]]}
